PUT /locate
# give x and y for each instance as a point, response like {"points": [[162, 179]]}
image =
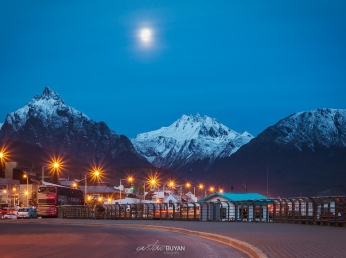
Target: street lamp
{"points": [[211, 189], [43, 174], [129, 179], [96, 174], [55, 165], [14, 196], [27, 189], [201, 186], [171, 184]]}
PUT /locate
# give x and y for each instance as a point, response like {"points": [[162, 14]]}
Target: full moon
{"points": [[145, 35]]}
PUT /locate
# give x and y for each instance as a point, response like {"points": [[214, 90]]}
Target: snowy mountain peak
{"points": [[50, 124], [49, 94], [190, 138], [325, 127], [48, 107]]}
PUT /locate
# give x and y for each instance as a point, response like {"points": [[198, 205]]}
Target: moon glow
{"points": [[145, 35]]}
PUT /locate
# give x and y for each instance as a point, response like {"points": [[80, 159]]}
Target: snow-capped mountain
{"points": [[46, 121], [320, 127], [189, 139], [302, 153]]}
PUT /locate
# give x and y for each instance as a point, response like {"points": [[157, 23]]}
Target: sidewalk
{"points": [[274, 239]]}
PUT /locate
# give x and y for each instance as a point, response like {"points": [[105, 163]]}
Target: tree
{"points": [[33, 199]]}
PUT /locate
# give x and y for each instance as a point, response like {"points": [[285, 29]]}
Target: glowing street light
{"points": [[2, 164], [153, 182], [96, 174], [55, 165], [129, 179]]}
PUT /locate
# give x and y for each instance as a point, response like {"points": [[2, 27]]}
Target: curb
{"points": [[244, 247]]}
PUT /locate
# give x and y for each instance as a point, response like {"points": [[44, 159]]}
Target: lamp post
{"points": [[55, 165], [43, 174], [27, 189], [14, 196], [96, 174], [200, 187], [2, 168], [211, 189], [129, 179]]}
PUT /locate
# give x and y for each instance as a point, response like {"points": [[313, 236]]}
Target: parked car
{"points": [[10, 216], [6, 210], [27, 213]]}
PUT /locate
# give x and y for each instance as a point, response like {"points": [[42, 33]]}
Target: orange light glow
{"points": [[153, 180]]}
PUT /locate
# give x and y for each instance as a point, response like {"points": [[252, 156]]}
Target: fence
{"points": [[329, 211]]}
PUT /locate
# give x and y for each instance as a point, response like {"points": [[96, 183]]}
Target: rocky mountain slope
{"points": [[304, 153], [46, 121]]}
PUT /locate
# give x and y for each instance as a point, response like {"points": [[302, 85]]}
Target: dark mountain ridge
{"points": [[303, 154]]}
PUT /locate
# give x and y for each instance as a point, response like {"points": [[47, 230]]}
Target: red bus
{"points": [[49, 197]]}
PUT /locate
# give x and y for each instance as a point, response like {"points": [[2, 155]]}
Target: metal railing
{"points": [[327, 210]]}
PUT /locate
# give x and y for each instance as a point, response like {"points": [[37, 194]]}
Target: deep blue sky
{"points": [[246, 63]]}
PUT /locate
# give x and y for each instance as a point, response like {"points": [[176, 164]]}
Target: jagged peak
{"points": [[48, 94], [197, 118]]}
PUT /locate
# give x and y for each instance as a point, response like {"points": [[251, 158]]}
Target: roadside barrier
{"points": [[325, 211]]}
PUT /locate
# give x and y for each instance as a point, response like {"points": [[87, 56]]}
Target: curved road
{"points": [[49, 240]]}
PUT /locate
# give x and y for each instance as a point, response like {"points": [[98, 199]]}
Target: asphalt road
{"points": [[49, 240]]}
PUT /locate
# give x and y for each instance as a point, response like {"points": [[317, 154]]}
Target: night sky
{"points": [[246, 63]]}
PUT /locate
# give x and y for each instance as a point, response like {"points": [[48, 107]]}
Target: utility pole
{"points": [[267, 182]]}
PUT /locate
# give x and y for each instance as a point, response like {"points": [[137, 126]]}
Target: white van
{"points": [[27, 213]]}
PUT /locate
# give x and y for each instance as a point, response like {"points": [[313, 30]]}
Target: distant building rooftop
{"points": [[234, 196]]}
